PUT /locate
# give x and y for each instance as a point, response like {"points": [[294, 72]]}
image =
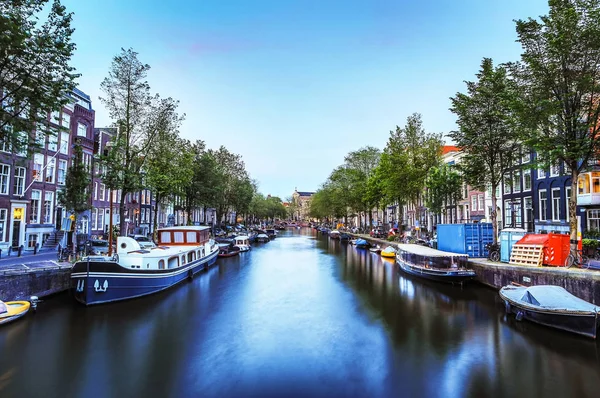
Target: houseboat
{"points": [[134, 272], [242, 242], [432, 264]]}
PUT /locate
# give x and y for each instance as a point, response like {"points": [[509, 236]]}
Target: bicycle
{"points": [[577, 258], [493, 252], [64, 253]]}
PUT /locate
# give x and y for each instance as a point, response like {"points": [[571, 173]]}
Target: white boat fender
{"points": [[519, 316], [507, 307], [34, 300]]}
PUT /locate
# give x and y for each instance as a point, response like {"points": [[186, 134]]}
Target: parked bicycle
{"points": [[64, 253], [578, 259], [493, 250]]}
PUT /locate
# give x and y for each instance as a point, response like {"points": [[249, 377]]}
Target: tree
{"points": [[443, 184], [361, 164], [230, 170], [139, 118], [559, 74], [75, 197], [408, 156], [35, 75], [488, 130]]}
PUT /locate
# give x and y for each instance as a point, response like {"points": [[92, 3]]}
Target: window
{"points": [[527, 180], [53, 142], [64, 143], [40, 139], [35, 206], [148, 197], [541, 173], [143, 197], [595, 181], [481, 198], [94, 219], [4, 178], [38, 164], [507, 213], [81, 130], [101, 194], [528, 208], [19, 186], [474, 203], [543, 204], [555, 204], [517, 181], [516, 206], [55, 117], [32, 240], [50, 171], [101, 219], [5, 144], [593, 218], [568, 195], [48, 206], [66, 120], [507, 183], [62, 172], [525, 156], [555, 170], [3, 213]]}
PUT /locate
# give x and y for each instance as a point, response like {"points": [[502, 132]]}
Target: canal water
{"points": [[301, 316]]}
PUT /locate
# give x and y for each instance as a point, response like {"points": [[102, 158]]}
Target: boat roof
{"points": [[185, 228], [426, 251], [549, 297], [242, 237]]}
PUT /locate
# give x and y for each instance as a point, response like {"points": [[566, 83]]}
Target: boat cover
{"points": [[548, 297], [427, 251], [3, 308], [361, 242], [389, 249]]}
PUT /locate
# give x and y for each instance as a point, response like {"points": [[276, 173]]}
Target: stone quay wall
{"points": [[20, 285]]}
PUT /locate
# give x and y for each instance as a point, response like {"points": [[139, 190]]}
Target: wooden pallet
{"points": [[532, 255]]}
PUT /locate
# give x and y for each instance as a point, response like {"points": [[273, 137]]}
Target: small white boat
{"points": [[262, 238], [242, 242], [552, 306], [334, 234]]}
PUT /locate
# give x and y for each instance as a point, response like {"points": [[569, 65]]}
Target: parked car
{"points": [[378, 233], [144, 241], [97, 247]]}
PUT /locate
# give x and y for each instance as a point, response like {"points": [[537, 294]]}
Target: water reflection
{"points": [[300, 316]]}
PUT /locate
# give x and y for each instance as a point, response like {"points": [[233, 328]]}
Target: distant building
{"points": [[302, 201]]}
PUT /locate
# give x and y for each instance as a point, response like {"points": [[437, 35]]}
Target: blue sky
{"points": [[293, 86]]}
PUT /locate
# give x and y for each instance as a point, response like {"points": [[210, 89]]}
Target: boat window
{"points": [[178, 237], [161, 264], [174, 262], [183, 259], [199, 255], [191, 256], [165, 237], [191, 237]]}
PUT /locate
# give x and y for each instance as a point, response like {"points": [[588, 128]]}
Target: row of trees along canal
{"points": [[147, 152], [547, 102]]}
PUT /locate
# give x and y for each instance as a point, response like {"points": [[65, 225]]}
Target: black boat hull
{"points": [[582, 324], [438, 275]]}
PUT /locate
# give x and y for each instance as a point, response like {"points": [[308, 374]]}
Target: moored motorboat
{"points": [[263, 238], [271, 233], [242, 242], [133, 272], [334, 234], [375, 249], [362, 244], [433, 264], [228, 250], [552, 306], [13, 310], [389, 252], [345, 237]]}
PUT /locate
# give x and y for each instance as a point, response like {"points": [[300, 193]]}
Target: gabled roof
{"points": [[306, 193], [449, 148]]}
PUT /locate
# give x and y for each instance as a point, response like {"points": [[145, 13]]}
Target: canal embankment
{"points": [[583, 283], [42, 278]]}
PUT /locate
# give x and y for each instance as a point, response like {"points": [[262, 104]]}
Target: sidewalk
{"points": [[28, 262]]}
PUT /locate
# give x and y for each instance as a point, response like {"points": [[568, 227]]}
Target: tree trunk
{"points": [[122, 214], [494, 215], [155, 223], [573, 227]]}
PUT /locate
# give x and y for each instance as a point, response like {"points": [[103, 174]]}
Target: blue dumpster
{"points": [[465, 238], [508, 238]]}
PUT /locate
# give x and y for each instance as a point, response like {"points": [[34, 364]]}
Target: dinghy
{"points": [[362, 244], [552, 306], [389, 251], [13, 310]]}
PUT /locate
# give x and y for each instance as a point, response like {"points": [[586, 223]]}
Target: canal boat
{"points": [[242, 242], [13, 310], [345, 237], [134, 272], [375, 249], [389, 252], [271, 233], [262, 238], [552, 306], [228, 250], [334, 234], [362, 244], [433, 264]]}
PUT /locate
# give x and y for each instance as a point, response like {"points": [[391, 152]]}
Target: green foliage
{"points": [[75, 197], [592, 234], [559, 78], [443, 184], [589, 243], [35, 76], [488, 129]]}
